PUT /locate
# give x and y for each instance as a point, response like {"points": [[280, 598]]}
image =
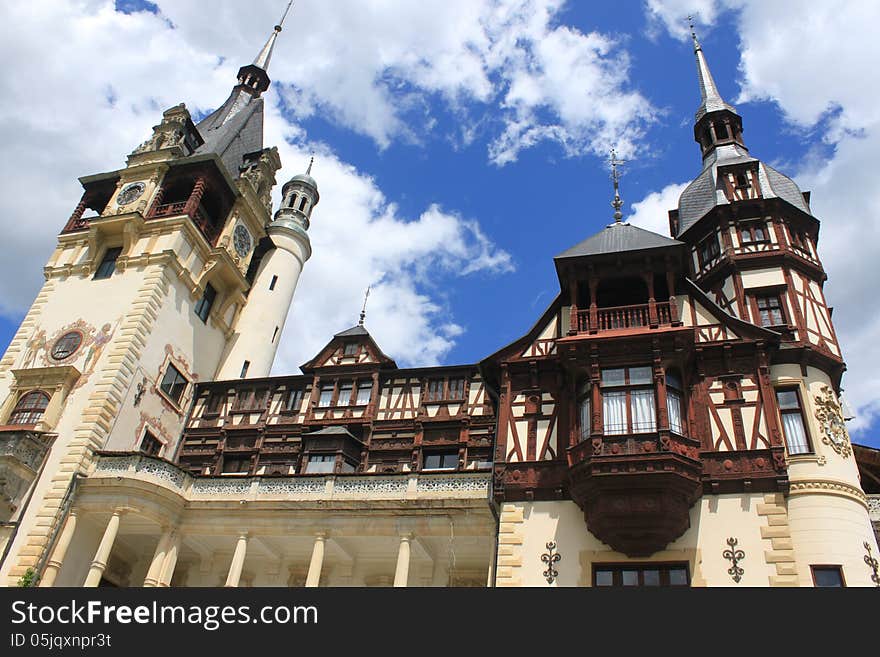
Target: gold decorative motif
{"points": [[831, 419]]}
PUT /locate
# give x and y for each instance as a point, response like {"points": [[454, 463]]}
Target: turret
{"points": [[286, 249]]}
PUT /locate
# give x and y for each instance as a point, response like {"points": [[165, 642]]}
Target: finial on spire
{"points": [[697, 45], [617, 203], [311, 162], [262, 60], [364, 308], [283, 16]]}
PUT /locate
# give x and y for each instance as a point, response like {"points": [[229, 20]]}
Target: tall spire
{"points": [[617, 203], [712, 100], [262, 60]]}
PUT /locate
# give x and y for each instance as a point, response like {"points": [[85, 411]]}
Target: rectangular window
{"points": [[709, 249], [108, 263], [251, 399], [350, 349], [674, 404], [641, 575], [150, 444], [830, 576], [628, 403], [345, 388], [244, 368], [294, 401], [445, 460], [752, 232], [204, 305], [456, 389], [173, 384], [215, 403], [272, 282], [365, 391], [770, 310], [326, 394], [321, 463], [796, 439], [586, 419], [232, 465], [435, 390]]}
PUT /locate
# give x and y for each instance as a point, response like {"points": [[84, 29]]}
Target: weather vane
{"points": [[617, 203], [364, 308], [281, 22]]}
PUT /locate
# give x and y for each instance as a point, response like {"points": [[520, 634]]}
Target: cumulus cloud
{"points": [[652, 212], [829, 87]]}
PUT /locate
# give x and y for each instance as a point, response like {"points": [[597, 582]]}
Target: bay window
{"points": [[628, 404]]}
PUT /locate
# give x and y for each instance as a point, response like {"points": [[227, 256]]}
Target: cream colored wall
{"points": [[762, 277], [828, 509], [526, 527]]}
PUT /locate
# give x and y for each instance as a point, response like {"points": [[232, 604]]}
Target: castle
{"points": [[672, 418]]}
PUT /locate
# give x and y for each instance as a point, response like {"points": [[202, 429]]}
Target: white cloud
{"points": [[371, 66], [652, 212], [816, 61]]}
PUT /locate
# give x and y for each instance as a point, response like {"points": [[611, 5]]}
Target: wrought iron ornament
{"points": [[551, 557], [873, 564], [734, 556]]}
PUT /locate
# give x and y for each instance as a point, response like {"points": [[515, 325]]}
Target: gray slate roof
{"points": [[353, 331], [706, 191], [233, 130], [616, 238]]}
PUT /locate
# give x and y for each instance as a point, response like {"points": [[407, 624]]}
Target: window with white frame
{"points": [[321, 463], [675, 403], [793, 428]]}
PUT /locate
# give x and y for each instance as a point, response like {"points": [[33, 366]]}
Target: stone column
{"points": [[99, 563], [57, 558], [237, 560], [155, 569], [401, 573], [170, 561], [313, 579]]}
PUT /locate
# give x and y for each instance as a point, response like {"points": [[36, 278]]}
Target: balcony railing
{"points": [[27, 448], [624, 317], [199, 217]]}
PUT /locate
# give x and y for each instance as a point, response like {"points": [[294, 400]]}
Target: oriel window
{"points": [[709, 249]]}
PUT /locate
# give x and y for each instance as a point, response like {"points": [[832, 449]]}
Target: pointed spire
{"points": [[712, 100], [262, 60], [617, 203], [311, 162], [364, 308]]}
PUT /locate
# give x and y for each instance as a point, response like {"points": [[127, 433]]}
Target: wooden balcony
{"points": [[615, 318]]}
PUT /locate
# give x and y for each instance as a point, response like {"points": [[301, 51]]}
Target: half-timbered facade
{"points": [[672, 418]]}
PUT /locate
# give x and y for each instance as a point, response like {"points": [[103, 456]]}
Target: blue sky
{"points": [[459, 145]]}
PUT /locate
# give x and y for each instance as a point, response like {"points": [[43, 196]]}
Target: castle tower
{"points": [[141, 301], [260, 325], [752, 241]]}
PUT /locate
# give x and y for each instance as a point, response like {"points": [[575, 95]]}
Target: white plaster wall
{"points": [[713, 520]]}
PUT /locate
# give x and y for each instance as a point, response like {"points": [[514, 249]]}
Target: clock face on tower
{"points": [[130, 193], [241, 238]]}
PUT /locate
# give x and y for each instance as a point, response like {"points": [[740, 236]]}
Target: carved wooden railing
{"points": [[624, 317]]}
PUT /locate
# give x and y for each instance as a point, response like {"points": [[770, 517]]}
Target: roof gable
{"points": [[354, 347]]}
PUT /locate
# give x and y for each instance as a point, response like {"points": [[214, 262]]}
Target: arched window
{"points": [[302, 203], [292, 201], [30, 408]]}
